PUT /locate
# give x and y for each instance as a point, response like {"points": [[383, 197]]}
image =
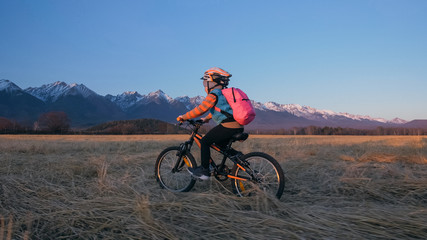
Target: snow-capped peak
{"points": [[131, 93], [159, 94], [190, 103], [126, 99], [183, 99], [398, 121], [51, 92], [80, 89], [6, 85]]}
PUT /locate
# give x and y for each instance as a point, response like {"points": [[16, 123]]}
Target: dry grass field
{"points": [[103, 187]]}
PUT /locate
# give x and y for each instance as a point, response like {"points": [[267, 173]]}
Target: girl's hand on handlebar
{"points": [[205, 119], [180, 118]]}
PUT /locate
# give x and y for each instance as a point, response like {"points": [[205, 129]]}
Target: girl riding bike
{"points": [[214, 80], [251, 173]]}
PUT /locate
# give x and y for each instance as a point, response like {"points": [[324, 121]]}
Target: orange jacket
{"points": [[208, 103]]}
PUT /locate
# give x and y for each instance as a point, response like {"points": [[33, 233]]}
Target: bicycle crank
{"points": [[222, 175]]}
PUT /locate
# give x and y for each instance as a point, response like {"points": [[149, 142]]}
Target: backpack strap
{"points": [[228, 115], [234, 97]]}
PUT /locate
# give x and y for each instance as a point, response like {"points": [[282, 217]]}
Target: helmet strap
{"points": [[217, 84], [209, 88]]}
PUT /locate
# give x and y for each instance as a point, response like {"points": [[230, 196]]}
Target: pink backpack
{"points": [[243, 111]]}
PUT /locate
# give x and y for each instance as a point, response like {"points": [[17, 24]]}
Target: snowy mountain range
{"points": [[51, 92], [85, 107]]}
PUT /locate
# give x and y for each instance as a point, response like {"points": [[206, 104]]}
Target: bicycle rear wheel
{"points": [[174, 179], [267, 176]]}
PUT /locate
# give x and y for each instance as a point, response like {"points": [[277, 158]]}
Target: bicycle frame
{"points": [[196, 137]]}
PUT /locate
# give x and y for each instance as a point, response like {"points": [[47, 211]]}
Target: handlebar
{"points": [[195, 123]]}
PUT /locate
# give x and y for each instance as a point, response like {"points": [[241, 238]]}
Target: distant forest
{"points": [[58, 123], [314, 130]]}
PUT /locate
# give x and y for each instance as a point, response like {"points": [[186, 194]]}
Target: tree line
{"points": [[57, 122], [50, 122], [315, 130]]}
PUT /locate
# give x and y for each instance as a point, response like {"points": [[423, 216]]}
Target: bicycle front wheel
{"points": [[262, 173], [171, 170]]}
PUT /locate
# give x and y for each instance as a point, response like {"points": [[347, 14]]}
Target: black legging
{"points": [[219, 135]]}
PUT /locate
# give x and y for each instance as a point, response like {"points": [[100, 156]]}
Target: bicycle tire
{"points": [[179, 181], [271, 179]]}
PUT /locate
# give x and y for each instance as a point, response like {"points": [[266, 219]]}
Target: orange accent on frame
{"points": [[241, 167], [216, 148], [186, 161], [241, 186], [238, 178]]}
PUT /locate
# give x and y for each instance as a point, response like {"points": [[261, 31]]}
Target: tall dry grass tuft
{"points": [[103, 187], [2, 227], [101, 169], [6, 231]]}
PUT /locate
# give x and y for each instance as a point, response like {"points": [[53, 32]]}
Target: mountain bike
{"points": [[249, 172]]}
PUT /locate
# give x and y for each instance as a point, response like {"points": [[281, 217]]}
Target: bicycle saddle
{"points": [[239, 137]]}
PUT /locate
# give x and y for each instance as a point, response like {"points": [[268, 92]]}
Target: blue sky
{"points": [[365, 57]]}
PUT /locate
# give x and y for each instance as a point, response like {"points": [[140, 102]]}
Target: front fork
{"points": [[182, 159]]}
